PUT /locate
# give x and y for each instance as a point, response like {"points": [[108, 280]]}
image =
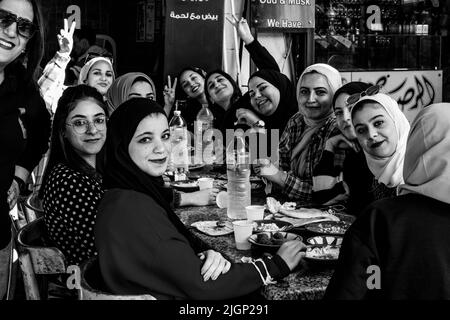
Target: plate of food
{"points": [[186, 185], [270, 225], [196, 166], [270, 242], [329, 227], [214, 228], [256, 179], [253, 185], [323, 254]]}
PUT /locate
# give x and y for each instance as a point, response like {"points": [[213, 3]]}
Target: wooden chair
{"points": [[92, 286], [37, 260]]}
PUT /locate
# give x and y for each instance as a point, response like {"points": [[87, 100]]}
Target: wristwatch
{"points": [[258, 124]]}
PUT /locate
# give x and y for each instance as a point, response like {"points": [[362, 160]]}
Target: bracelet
{"points": [[268, 279]]}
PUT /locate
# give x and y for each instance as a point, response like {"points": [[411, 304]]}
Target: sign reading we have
{"points": [[281, 15]]}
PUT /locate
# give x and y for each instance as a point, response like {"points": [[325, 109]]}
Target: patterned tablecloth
{"points": [[307, 282]]}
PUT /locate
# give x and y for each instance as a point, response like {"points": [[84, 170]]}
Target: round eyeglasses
{"points": [[82, 126]]}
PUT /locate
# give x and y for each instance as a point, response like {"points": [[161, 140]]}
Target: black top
{"points": [[407, 238], [24, 138]]}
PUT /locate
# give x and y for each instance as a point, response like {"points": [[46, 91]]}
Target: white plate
{"points": [[210, 228]]}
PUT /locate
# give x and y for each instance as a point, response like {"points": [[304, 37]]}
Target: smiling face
{"points": [[315, 96], [192, 83], [150, 146], [141, 89], [100, 76], [264, 96], [375, 130], [88, 143], [11, 43], [219, 89], [343, 117]]}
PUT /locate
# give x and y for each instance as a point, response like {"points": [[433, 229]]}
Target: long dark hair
{"points": [[34, 50], [61, 151], [236, 91]]}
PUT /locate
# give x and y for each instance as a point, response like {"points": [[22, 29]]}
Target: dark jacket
{"points": [[408, 238]]}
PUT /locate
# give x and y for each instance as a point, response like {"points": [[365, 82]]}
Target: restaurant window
{"points": [[380, 35]]}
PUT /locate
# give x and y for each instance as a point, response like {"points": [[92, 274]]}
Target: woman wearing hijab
{"points": [[224, 93], [382, 131], [143, 246], [304, 138], [399, 248], [98, 73], [127, 86], [332, 184]]}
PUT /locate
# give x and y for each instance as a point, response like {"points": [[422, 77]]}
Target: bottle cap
{"points": [[177, 112]]}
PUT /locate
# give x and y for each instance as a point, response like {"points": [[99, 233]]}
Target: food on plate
{"points": [[271, 227], [304, 213], [274, 238], [273, 205], [325, 253], [337, 229], [289, 206]]}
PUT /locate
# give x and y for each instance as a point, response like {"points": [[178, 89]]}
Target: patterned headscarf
{"points": [[120, 89]]}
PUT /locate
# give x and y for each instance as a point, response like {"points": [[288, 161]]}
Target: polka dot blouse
{"points": [[70, 203]]}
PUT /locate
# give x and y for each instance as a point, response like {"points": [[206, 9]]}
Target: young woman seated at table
{"points": [[332, 184], [382, 131], [143, 246], [304, 138], [72, 184], [137, 84], [404, 239]]}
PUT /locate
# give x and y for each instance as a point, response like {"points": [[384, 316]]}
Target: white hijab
{"points": [[389, 171], [87, 67], [427, 160]]}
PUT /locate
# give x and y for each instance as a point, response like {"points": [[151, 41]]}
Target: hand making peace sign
{"points": [[169, 91], [65, 37]]}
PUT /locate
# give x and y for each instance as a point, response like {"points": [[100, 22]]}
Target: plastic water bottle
{"points": [[203, 134], [179, 157], [238, 174]]}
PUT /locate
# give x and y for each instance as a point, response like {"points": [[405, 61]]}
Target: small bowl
{"points": [[325, 240], [325, 254], [273, 243]]}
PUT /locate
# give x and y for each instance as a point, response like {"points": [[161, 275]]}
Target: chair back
{"points": [[93, 287], [37, 258]]}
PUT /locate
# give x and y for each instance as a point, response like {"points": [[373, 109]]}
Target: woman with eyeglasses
{"points": [[143, 247], [399, 248], [24, 120], [72, 185], [303, 141], [382, 131], [353, 182]]}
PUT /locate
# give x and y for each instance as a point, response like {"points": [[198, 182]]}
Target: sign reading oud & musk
{"points": [[281, 15]]}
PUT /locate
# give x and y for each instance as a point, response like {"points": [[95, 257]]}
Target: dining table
{"points": [[308, 281]]}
